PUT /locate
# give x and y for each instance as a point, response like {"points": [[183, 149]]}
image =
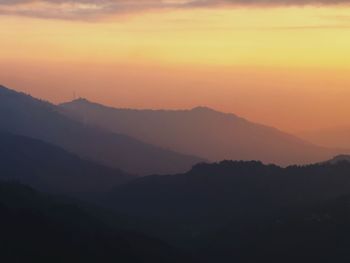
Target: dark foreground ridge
{"points": [[195, 209], [36, 227]]}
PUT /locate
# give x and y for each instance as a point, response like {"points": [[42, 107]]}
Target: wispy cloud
{"points": [[85, 9]]}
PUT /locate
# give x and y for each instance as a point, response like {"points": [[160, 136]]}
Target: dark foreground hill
{"points": [[202, 131], [190, 206], [24, 115], [319, 233], [52, 169], [39, 228]]}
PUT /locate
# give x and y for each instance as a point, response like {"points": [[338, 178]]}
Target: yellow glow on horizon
{"points": [[256, 62], [283, 37]]}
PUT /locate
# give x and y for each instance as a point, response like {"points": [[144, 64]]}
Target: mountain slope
{"points": [[52, 169], [25, 115], [40, 228], [202, 132]]}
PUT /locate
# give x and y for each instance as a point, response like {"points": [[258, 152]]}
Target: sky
{"points": [[283, 63]]}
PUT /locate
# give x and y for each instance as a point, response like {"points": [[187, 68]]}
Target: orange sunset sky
{"points": [[282, 63]]}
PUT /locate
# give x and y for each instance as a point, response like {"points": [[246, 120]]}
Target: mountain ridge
{"points": [[202, 131]]}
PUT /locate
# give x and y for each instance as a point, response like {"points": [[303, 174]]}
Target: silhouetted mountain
{"points": [[202, 132], [39, 228], [190, 206], [50, 168], [332, 137], [25, 115]]}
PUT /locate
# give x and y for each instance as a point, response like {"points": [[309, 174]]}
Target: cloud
{"points": [[90, 9], [77, 9]]}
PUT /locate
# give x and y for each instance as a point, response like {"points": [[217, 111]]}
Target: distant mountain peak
{"points": [[81, 100], [340, 158], [203, 109]]}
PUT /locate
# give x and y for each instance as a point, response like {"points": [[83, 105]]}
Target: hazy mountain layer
{"points": [[25, 115], [202, 132]]}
